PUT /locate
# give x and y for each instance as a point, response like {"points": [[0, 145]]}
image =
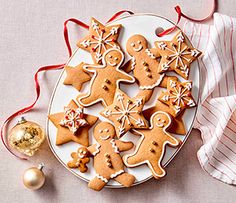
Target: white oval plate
{"points": [[144, 24]]}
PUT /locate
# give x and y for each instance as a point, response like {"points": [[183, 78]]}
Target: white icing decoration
{"points": [[101, 178], [86, 43], [150, 54], [191, 103], [97, 146], [148, 87], [104, 64], [73, 119], [195, 53], [117, 173], [116, 149], [163, 147], [133, 63], [100, 40], [105, 138], [179, 96], [162, 45], [177, 55], [172, 83], [126, 112], [165, 98]]}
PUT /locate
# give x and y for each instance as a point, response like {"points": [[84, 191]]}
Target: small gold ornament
{"points": [[26, 137], [34, 177]]}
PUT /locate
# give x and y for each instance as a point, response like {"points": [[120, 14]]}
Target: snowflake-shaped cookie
{"points": [[126, 113], [73, 119], [176, 55], [100, 39], [178, 96]]}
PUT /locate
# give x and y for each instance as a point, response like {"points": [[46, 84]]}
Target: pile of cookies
{"points": [[148, 68]]}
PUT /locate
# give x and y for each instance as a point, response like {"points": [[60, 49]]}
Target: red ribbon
{"points": [[46, 68], [181, 14]]}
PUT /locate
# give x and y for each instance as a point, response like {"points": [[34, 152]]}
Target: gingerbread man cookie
{"points": [[177, 126], [106, 79], [80, 159], [72, 124], [144, 63], [108, 163], [178, 96], [100, 39], [76, 76], [125, 113], [151, 147], [176, 55]]}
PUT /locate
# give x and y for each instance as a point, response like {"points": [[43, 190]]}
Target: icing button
{"points": [[107, 155], [145, 63], [104, 87], [154, 142], [107, 81], [151, 150], [149, 75]]}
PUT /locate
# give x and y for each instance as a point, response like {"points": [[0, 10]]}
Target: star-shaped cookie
{"points": [[76, 76], [100, 39], [176, 55], [178, 96], [65, 133], [125, 113], [177, 126]]}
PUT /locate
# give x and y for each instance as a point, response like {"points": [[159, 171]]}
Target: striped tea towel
{"points": [[216, 116]]}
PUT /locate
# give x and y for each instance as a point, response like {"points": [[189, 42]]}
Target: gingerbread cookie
{"points": [[80, 159], [151, 147], [106, 79], [72, 124], [144, 63], [125, 113], [76, 76], [177, 126], [108, 163], [176, 55], [100, 39], [178, 96]]}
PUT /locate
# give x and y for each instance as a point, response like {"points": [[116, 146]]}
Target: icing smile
{"points": [[138, 49], [105, 138], [111, 64]]}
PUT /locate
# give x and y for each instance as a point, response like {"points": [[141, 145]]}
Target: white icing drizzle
{"points": [[100, 40], [150, 54], [116, 149], [97, 146], [101, 178], [117, 173]]}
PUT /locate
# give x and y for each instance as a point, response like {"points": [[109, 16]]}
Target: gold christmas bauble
{"points": [[26, 137], [34, 177]]}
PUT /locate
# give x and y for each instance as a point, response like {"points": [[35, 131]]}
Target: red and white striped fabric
{"points": [[216, 116]]}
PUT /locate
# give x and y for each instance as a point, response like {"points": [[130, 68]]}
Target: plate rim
{"points": [[56, 86]]}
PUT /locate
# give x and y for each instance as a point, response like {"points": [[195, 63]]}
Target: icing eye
{"points": [[80, 151], [163, 121], [139, 42], [84, 152], [106, 130], [110, 56], [116, 58], [158, 119], [132, 44], [100, 131]]}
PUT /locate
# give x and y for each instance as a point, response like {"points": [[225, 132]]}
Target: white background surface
{"points": [[31, 35]]}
